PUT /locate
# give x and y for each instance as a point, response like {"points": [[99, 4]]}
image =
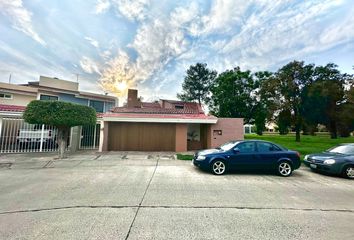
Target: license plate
{"points": [[313, 165]]}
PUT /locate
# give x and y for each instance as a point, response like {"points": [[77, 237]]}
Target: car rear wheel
{"points": [[218, 167], [349, 172], [285, 169]]}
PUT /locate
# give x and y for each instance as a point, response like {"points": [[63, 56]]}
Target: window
{"points": [[267, 147], [109, 106], [97, 105], [179, 107], [246, 147], [6, 95], [48, 98]]}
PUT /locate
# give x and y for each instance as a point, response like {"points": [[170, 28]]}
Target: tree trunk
{"points": [[62, 139], [297, 138], [297, 126], [333, 129]]}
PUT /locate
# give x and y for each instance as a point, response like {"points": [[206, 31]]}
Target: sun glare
{"points": [[121, 86]]}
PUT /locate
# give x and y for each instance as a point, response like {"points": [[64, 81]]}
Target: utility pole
{"points": [[10, 78]]}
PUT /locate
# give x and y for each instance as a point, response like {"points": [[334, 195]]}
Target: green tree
{"points": [[62, 115], [328, 88], [283, 121], [346, 113], [290, 83], [197, 83], [233, 95], [265, 102]]}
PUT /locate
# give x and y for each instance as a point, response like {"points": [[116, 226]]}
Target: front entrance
{"points": [[197, 135]]}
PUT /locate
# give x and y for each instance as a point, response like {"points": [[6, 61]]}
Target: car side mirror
{"points": [[236, 150]]}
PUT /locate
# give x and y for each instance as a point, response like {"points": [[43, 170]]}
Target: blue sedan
{"points": [[248, 154], [337, 160]]}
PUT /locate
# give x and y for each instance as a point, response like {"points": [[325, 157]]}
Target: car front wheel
{"points": [[285, 169], [218, 167], [349, 172]]}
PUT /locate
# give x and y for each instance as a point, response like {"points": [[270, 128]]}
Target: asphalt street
{"points": [[139, 196]]}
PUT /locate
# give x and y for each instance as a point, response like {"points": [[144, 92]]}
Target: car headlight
{"points": [[306, 157], [200, 157], [329, 161]]}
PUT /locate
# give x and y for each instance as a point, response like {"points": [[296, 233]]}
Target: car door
{"points": [[267, 155], [243, 156]]}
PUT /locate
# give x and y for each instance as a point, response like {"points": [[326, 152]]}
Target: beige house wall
{"points": [[58, 83], [17, 99]]}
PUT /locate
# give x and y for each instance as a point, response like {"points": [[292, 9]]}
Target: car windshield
{"points": [[227, 146], [343, 149]]}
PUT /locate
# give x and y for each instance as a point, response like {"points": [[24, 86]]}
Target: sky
{"points": [[151, 43]]}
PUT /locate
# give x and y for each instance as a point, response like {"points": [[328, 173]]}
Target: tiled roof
{"points": [[155, 110], [12, 108], [156, 115], [150, 105]]}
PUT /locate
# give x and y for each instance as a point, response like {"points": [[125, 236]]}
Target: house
{"points": [[18, 136], [53, 89], [165, 125]]}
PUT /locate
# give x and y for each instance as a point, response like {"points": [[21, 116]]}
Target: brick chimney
{"points": [[133, 101]]}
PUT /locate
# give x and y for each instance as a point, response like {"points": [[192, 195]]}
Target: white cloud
{"points": [[20, 18], [131, 9], [156, 43], [92, 41], [225, 15], [89, 65], [102, 6], [278, 32]]}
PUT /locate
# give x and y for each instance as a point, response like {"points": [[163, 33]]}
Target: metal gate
{"points": [[17, 136], [90, 137]]}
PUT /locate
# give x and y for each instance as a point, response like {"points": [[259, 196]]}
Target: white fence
{"points": [[17, 136]]}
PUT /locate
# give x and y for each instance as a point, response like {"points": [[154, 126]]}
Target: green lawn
{"points": [[308, 144], [184, 156]]}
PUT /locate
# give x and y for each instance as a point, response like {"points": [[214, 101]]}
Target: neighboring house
{"points": [[54, 89], [11, 94], [166, 125], [18, 136], [248, 128]]}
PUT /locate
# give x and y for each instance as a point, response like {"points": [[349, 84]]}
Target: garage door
{"points": [[141, 137]]}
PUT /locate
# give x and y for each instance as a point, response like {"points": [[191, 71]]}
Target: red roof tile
{"points": [[149, 115], [150, 105], [12, 108], [155, 110]]}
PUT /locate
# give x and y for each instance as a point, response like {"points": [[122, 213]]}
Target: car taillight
{"points": [[298, 154], [50, 133]]}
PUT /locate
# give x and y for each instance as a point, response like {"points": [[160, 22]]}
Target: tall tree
{"points": [[265, 101], [197, 83], [290, 83], [329, 89], [233, 94], [62, 115]]}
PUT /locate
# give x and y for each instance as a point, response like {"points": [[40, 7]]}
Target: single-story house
{"points": [[164, 125]]}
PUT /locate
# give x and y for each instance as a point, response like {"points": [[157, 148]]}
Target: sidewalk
{"points": [[82, 158]]}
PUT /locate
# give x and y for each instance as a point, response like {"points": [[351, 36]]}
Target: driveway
{"points": [[140, 196]]}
